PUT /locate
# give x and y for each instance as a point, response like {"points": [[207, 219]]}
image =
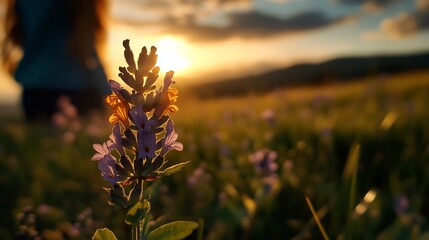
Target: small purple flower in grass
{"points": [[269, 115], [264, 161], [170, 140], [401, 205], [265, 165], [199, 176]]}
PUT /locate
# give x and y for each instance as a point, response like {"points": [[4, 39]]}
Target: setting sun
{"points": [[171, 55]]}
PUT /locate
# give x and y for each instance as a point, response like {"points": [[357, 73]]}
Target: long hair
{"points": [[88, 30]]}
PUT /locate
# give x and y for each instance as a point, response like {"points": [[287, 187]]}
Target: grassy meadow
{"points": [[359, 151]]}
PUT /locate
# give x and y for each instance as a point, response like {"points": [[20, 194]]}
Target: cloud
{"points": [[400, 26], [179, 8], [213, 20], [253, 24], [422, 5], [407, 24], [142, 13]]}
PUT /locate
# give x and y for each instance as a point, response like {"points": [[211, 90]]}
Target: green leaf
{"points": [[104, 234], [173, 231], [175, 168], [137, 212]]}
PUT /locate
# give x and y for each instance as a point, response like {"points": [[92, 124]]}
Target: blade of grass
{"points": [[350, 177], [200, 229], [350, 172], [316, 218]]}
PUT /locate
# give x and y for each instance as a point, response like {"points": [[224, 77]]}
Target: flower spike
{"points": [[136, 150]]}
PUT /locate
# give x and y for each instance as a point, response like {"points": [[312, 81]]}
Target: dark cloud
{"points": [[254, 25], [369, 4], [260, 23], [380, 2]]}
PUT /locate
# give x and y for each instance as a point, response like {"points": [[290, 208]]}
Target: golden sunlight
{"points": [[171, 54]]}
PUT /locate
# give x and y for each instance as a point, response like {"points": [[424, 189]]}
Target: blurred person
{"points": [[51, 49]]}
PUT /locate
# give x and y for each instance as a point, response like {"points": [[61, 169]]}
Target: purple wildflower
{"points": [[140, 119], [146, 144], [264, 161], [116, 139], [143, 113], [107, 167], [269, 116], [103, 150], [198, 176], [401, 204], [170, 140], [146, 137], [106, 161]]}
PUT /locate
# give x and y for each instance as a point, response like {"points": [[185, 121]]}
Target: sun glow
{"points": [[171, 55]]}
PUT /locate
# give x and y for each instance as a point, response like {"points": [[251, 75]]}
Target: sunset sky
{"points": [[215, 39]]}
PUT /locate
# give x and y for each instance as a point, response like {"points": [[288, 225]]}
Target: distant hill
{"points": [[336, 70]]}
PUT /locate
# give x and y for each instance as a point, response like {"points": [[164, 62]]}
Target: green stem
{"points": [[145, 226], [133, 233], [142, 188], [201, 229], [139, 233]]}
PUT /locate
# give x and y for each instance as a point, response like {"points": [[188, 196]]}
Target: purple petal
{"points": [[115, 86], [169, 139], [116, 138], [176, 146], [146, 143], [97, 157], [108, 170], [98, 148], [139, 117]]}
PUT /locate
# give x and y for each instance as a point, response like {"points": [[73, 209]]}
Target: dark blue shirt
{"points": [[47, 62]]}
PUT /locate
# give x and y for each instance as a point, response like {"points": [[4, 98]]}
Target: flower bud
{"points": [[126, 163], [135, 193], [157, 162], [122, 172], [138, 166], [117, 195], [129, 134]]}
